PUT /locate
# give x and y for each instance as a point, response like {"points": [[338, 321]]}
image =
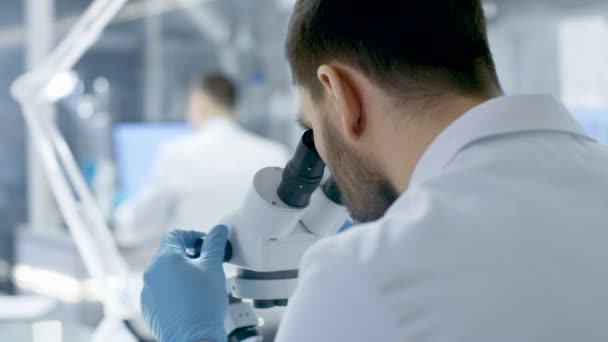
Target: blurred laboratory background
{"points": [[129, 93]]}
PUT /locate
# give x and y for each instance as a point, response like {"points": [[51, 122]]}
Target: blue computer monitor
{"points": [[136, 147]]}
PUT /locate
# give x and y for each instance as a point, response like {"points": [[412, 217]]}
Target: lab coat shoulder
{"points": [[415, 219], [335, 300], [381, 278], [350, 284]]}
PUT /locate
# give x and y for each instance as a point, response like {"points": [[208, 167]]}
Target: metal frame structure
{"points": [[76, 203]]}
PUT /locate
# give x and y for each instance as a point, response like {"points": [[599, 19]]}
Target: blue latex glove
{"points": [[185, 299]]}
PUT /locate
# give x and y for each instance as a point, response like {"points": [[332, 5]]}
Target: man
{"points": [[200, 178], [484, 217]]}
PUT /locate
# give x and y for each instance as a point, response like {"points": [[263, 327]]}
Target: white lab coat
{"points": [[502, 236], [196, 181]]}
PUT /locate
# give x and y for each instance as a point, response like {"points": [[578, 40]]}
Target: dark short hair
{"points": [[220, 88], [409, 47]]}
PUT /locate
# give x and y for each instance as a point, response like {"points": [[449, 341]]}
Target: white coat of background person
{"points": [[199, 178]]}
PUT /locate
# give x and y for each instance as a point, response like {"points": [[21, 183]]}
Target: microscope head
{"points": [[285, 212]]}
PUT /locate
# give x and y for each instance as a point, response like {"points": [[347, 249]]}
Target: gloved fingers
{"points": [[215, 245], [189, 237], [177, 241]]}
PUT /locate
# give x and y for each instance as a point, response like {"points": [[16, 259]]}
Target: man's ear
{"points": [[343, 95]]}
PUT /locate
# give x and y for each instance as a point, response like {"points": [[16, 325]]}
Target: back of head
{"points": [[212, 95], [220, 89], [411, 48]]}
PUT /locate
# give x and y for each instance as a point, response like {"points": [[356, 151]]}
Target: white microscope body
{"points": [[284, 213]]}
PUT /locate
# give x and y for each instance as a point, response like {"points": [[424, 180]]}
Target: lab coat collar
{"points": [[217, 123], [503, 115]]}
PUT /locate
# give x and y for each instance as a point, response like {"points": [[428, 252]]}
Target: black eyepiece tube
{"points": [[303, 174]]}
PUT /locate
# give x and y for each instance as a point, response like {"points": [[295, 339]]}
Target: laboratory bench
{"points": [[55, 251]]}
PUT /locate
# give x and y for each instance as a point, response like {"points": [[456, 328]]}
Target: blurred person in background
{"points": [[198, 179]]}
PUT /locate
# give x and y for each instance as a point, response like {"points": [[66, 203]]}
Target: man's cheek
{"points": [[320, 145]]}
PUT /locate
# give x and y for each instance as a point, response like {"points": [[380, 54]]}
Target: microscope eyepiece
{"points": [[303, 174]]}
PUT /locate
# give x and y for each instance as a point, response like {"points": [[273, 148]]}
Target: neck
{"points": [[410, 138], [222, 113]]}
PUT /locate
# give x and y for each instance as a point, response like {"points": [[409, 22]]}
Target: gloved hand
{"points": [[185, 299]]}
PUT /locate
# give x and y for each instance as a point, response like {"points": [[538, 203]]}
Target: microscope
{"points": [[285, 212]]}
